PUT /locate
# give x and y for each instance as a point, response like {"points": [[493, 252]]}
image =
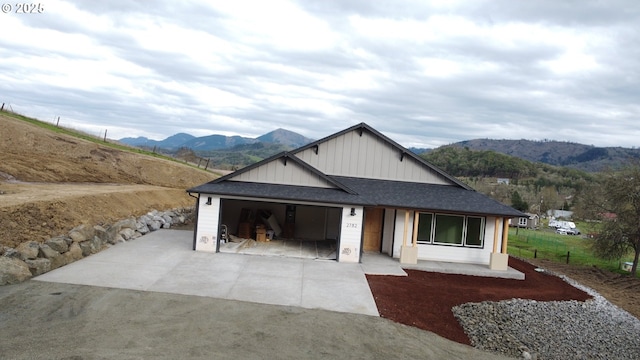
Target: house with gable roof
{"points": [[363, 191]]}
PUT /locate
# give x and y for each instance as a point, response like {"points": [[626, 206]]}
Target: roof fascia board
{"points": [[287, 157], [285, 201], [248, 168]]}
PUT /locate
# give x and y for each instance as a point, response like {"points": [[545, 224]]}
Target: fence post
{"points": [[58, 122], [207, 165], [568, 254], [2, 108], [105, 135], [535, 253]]}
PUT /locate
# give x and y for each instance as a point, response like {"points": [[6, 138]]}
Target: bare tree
{"points": [[616, 201]]}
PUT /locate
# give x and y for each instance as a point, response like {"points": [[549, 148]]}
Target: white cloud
{"points": [[425, 73]]}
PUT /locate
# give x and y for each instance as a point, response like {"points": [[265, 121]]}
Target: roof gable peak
{"points": [[286, 159], [400, 150]]}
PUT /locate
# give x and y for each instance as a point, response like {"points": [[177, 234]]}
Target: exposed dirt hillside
{"points": [[50, 183], [33, 154]]}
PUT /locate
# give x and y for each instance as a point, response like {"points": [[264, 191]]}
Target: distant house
{"points": [[565, 214], [608, 216], [529, 221], [503, 181], [361, 191]]}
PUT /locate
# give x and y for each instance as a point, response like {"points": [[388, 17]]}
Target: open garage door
{"points": [[270, 228]]}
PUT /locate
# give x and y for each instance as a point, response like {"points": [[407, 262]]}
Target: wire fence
{"points": [[566, 249]]}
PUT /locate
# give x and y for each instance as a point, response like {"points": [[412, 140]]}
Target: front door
{"points": [[372, 229]]}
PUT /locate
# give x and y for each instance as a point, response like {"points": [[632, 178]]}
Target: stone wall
{"points": [[32, 258]]}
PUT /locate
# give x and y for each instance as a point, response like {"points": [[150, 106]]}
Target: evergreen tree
{"points": [[518, 203]]}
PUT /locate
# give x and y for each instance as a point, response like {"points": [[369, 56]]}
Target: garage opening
{"points": [[277, 229]]}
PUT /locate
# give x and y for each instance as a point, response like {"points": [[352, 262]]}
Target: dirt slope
{"points": [[621, 290], [33, 154], [50, 183]]}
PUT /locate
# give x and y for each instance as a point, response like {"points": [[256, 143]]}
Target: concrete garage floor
{"points": [[163, 261], [308, 249]]}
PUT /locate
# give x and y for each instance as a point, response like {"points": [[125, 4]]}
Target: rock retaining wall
{"points": [[32, 258]]}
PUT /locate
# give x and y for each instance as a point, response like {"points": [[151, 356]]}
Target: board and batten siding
{"points": [[208, 218], [350, 235], [276, 172], [367, 156], [446, 253]]}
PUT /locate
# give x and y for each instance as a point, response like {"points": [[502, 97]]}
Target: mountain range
{"points": [[284, 137], [579, 156], [559, 153]]}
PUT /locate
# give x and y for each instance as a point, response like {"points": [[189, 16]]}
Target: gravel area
{"points": [[594, 329]]}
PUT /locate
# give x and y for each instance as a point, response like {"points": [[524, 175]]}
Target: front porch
{"points": [[372, 263], [382, 264]]}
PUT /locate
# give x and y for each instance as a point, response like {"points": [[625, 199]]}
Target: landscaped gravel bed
{"points": [[594, 329]]}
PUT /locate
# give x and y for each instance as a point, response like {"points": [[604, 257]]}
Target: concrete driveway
{"points": [[163, 261]]}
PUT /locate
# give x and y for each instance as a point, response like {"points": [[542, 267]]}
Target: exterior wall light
{"points": [[353, 212], [208, 200]]}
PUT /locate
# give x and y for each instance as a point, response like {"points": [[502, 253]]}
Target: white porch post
{"points": [[500, 260], [409, 253]]}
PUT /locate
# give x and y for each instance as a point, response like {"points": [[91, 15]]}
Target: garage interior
{"points": [[278, 229]]}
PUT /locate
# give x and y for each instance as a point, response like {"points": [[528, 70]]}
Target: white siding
{"points": [[387, 231], [489, 230], [276, 172], [208, 215], [350, 235], [367, 156], [441, 252]]}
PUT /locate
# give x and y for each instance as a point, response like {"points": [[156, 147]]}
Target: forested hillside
{"points": [[540, 186], [560, 153]]}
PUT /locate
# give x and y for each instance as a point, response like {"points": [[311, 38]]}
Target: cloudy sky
{"points": [[425, 73]]}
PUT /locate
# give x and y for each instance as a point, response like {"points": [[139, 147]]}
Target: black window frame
{"points": [[421, 238]]}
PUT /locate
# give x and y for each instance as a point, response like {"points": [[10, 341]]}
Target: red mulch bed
{"points": [[424, 299]]}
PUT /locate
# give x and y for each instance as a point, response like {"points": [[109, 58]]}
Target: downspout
{"points": [[414, 237], [195, 228], [364, 215]]}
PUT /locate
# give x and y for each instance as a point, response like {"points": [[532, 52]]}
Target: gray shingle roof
{"points": [[284, 192], [371, 192], [420, 196]]}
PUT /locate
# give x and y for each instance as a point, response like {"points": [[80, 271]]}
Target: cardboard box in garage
{"points": [[261, 234]]}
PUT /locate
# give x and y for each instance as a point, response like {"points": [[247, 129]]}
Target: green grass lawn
{"points": [[546, 244]]}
